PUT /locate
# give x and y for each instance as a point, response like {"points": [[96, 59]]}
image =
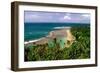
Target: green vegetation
{"points": [[80, 49]]}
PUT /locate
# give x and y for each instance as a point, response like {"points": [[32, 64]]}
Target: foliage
{"points": [[80, 49]]}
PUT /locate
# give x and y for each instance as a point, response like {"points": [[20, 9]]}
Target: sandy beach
{"points": [[59, 32]]}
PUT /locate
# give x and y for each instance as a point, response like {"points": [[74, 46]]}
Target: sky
{"points": [[55, 17]]}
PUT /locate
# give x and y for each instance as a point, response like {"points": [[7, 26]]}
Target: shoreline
{"points": [[43, 39], [32, 41]]}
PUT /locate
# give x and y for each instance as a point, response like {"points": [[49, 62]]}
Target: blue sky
{"points": [[56, 17]]}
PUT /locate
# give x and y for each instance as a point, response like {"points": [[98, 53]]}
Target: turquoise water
{"points": [[34, 31]]}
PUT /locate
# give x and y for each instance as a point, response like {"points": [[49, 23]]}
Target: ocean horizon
{"points": [[33, 31]]}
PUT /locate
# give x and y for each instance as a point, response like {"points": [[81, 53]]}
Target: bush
{"points": [[80, 49]]}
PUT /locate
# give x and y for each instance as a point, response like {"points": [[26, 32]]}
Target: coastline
{"points": [[63, 47], [59, 32], [32, 41]]}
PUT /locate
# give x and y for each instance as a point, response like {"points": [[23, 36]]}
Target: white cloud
{"points": [[86, 15], [34, 16], [67, 17], [30, 17]]}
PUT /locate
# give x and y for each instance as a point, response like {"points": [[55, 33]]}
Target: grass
{"points": [[80, 49]]}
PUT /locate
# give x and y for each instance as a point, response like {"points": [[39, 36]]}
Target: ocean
{"points": [[34, 31]]}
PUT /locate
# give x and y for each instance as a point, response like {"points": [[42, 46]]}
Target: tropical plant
{"points": [[80, 49]]}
